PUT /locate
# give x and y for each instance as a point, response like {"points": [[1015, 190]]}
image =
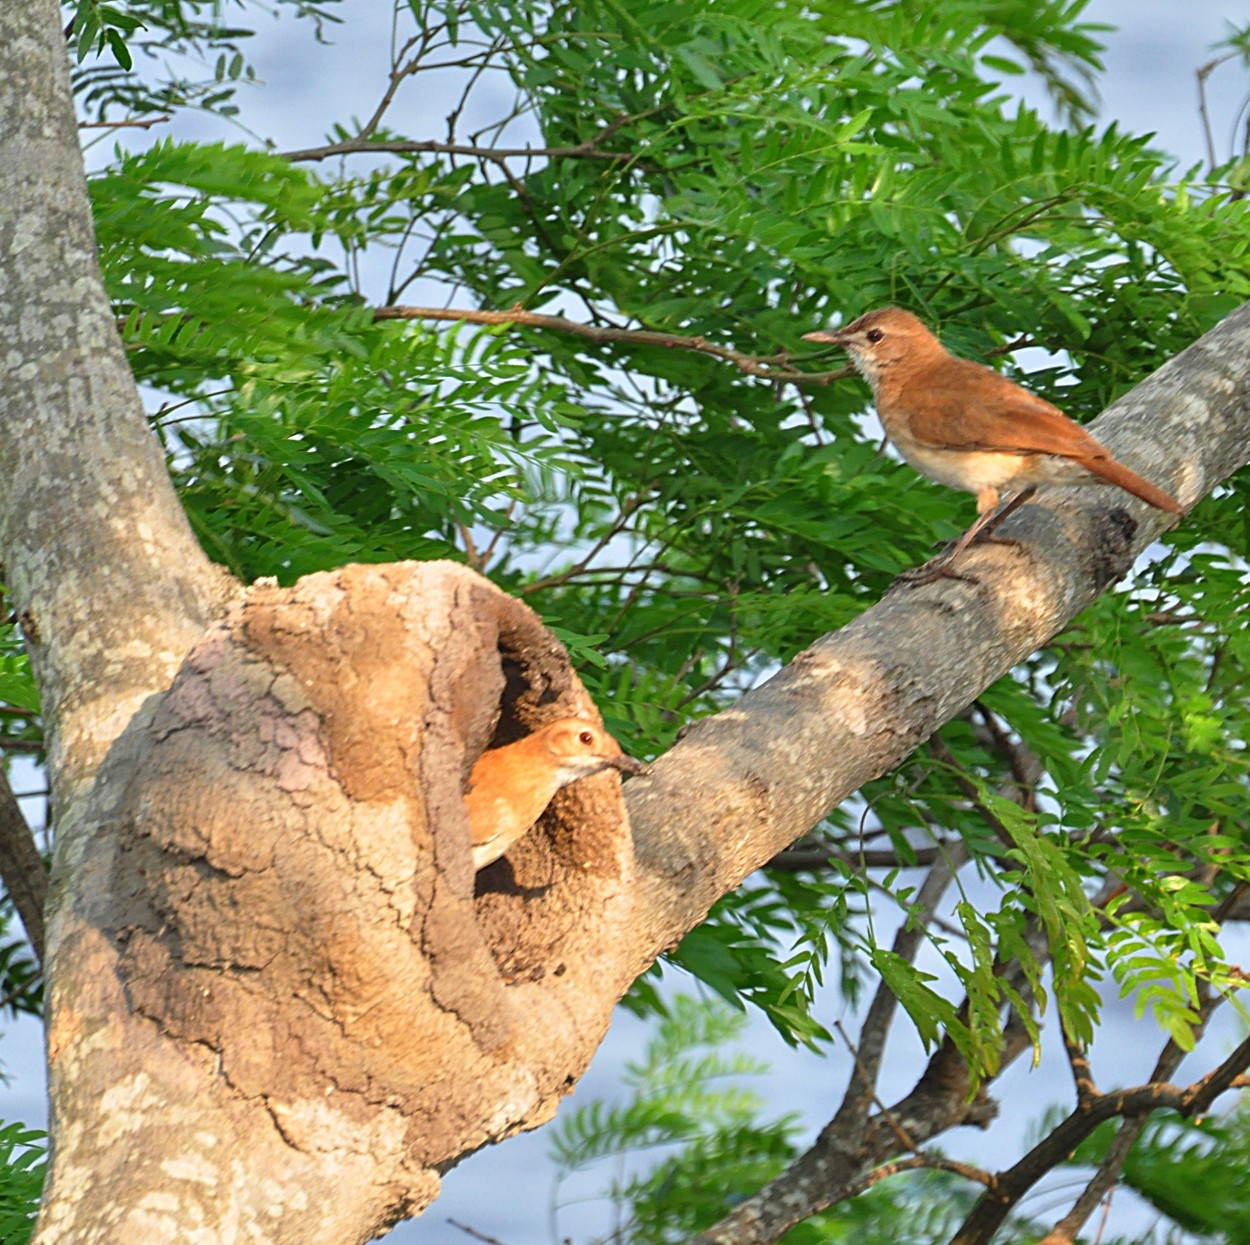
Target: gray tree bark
{"points": [[273, 971], [109, 584]]}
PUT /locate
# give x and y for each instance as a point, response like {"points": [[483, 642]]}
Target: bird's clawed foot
{"points": [[981, 538], [978, 534], [942, 567], [934, 569]]}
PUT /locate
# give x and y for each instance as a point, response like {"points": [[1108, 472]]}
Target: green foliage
{"points": [[18, 693], [21, 981], [685, 1092], [739, 951], [741, 172], [1194, 1172], [690, 1139], [108, 39], [687, 1104], [22, 1161]]}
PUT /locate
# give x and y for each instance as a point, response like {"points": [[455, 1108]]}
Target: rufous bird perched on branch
{"points": [[967, 427], [511, 786]]}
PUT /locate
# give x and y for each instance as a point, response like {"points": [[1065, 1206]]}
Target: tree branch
{"points": [[1007, 1189], [772, 367], [1065, 1231], [21, 867], [496, 155], [844, 1158], [846, 1129], [1104, 1180], [143, 123], [817, 856]]}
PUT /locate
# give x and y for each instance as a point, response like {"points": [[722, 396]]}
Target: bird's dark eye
{"points": [[875, 335], [586, 738]]}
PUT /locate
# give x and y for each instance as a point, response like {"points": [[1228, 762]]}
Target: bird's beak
{"points": [[627, 765], [835, 336]]}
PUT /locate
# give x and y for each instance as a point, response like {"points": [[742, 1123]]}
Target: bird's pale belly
{"points": [[975, 471]]}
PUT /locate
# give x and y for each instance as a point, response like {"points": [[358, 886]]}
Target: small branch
{"points": [[145, 124], [1104, 1180], [732, 663], [474, 1233], [1202, 73], [398, 74], [770, 368], [939, 749], [498, 534], [1020, 343], [800, 859], [1200, 1095], [1026, 768], [849, 1123], [356, 146], [987, 1216], [471, 555], [628, 506], [21, 867], [845, 1157], [13, 995], [22, 745], [1082, 1075], [453, 117], [1108, 1174], [919, 1162], [867, 1077]]}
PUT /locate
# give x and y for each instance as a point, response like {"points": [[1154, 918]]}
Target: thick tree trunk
{"points": [[109, 584]]}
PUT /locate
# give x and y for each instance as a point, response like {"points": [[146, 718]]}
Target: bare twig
{"points": [[1202, 73], [1009, 1187], [398, 73], [405, 147], [818, 856], [772, 367], [146, 124], [474, 1233], [21, 867], [628, 506]]}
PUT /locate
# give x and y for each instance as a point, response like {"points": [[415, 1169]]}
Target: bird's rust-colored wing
{"points": [[1001, 416], [1005, 417]]}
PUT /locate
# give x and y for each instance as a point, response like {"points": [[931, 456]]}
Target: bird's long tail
{"points": [[1115, 473]]}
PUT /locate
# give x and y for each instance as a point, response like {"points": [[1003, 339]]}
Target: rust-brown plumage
{"points": [[511, 786], [966, 426]]}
